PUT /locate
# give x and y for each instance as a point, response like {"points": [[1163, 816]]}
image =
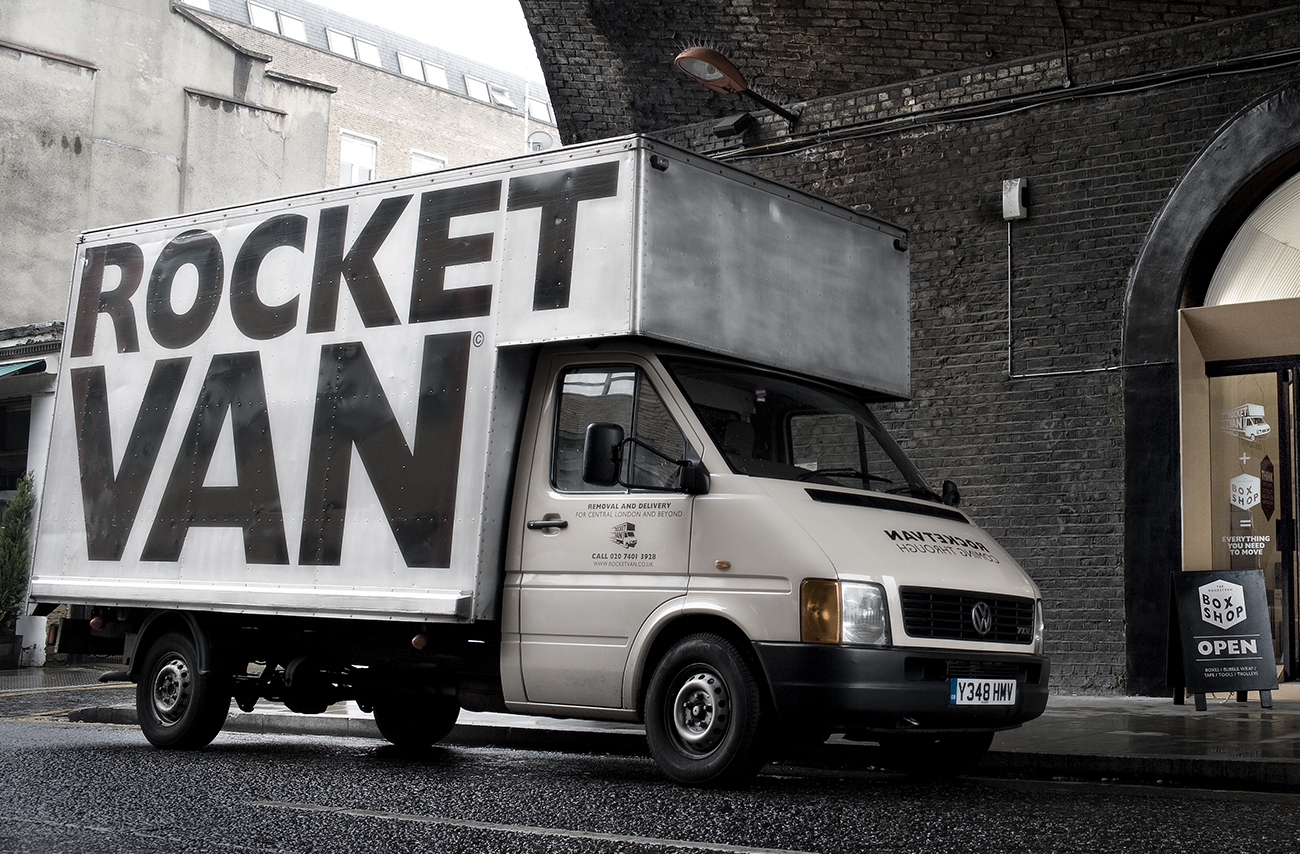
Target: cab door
{"points": [[597, 561]]}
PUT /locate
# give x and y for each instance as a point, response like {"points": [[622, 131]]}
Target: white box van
{"points": [[583, 434]]}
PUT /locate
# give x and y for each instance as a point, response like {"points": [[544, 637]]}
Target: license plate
{"points": [[981, 692]]}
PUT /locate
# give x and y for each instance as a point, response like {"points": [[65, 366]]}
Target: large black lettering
{"points": [[416, 486], [168, 328], [558, 194], [357, 267], [92, 301], [256, 319], [110, 498], [435, 251], [233, 388]]}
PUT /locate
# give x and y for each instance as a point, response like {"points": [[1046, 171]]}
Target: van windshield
{"points": [[767, 425]]}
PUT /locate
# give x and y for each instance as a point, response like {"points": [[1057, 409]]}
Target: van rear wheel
{"points": [[416, 722], [704, 713], [179, 707]]}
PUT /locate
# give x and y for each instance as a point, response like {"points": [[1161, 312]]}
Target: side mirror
{"points": [[602, 454], [951, 494]]}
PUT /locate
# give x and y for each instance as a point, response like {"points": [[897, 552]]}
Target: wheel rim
{"points": [[701, 712], [171, 690]]}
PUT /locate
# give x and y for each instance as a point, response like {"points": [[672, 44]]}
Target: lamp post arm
{"points": [[790, 115]]}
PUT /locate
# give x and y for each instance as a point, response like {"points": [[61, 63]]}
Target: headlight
{"points": [[865, 619], [1038, 627], [843, 612]]}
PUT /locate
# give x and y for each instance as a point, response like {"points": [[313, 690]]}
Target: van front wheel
{"points": [[704, 713]]}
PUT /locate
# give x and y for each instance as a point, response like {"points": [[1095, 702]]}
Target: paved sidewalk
{"points": [[1140, 739]]}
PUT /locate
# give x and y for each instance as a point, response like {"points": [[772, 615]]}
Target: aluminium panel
{"points": [[741, 266]]}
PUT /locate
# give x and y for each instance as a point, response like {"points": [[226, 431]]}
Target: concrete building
{"points": [[119, 110], [1076, 370], [401, 106]]}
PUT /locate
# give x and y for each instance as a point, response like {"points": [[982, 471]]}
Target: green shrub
{"points": [[16, 550]]}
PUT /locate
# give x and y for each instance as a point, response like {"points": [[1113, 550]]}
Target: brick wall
{"points": [[609, 64], [1039, 451]]}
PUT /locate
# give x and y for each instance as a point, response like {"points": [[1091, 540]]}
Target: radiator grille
{"points": [[947, 615]]}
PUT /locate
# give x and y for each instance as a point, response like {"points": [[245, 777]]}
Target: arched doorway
{"points": [[1253, 156]]}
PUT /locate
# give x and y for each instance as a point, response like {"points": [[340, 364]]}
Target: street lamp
{"points": [[715, 71]]}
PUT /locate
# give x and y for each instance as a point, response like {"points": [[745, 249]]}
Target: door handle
{"points": [[543, 524]]}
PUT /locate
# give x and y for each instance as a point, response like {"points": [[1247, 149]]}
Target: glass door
{"points": [[1252, 489]]}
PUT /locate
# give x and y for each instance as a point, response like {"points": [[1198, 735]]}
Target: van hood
{"points": [[870, 536]]}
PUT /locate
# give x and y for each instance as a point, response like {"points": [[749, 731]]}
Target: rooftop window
{"points": [[340, 43], [436, 75], [477, 89], [410, 66], [367, 52], [263, 18], [501, 96], [540, 110], [293, 28]]}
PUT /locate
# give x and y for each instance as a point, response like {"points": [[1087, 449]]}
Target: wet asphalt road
{"points": [[100, 788]]}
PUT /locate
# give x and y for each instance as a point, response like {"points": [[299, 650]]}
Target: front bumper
{"points": [[847, 689]]}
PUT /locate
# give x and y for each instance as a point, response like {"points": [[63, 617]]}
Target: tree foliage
{"points": [[16, 549]]}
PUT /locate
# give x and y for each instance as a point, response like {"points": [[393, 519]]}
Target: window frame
{"points": [[640, 375], [332, 34], [500, 96], [367, 52], [469, 89], [427, 155], [372, 142], [270, 21], [295, 23], [435, 75], [539, 110], [402, 62]]}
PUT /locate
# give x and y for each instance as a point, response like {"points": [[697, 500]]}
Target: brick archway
{"points": [[1251, 156]]}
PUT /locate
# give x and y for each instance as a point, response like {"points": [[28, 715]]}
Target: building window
{"points": [[539, 141], [293, 28], [410, 67], [501, 96], [436, 75], [356, 159], [15, 425], [540, 110], [422, 161], [367, 52], [263, 18], [477, 89], [340, 43]]}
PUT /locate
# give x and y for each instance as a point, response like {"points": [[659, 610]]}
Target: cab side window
{"points": [[617, 395]]}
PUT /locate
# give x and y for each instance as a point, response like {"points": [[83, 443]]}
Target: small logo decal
{"points": [[981, 616], [625, 535]]}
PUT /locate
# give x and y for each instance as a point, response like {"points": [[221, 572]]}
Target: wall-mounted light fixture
{"points": [[715, 71], [733, 125]]}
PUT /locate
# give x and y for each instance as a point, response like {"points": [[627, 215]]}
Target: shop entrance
{"points": [[1252, 488]]}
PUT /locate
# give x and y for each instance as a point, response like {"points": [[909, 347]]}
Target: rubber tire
{"points": [[717, 745], [935, 757], [179, 708], [416, 723]]}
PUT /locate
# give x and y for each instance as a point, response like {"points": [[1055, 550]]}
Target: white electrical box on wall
{"points": [[1015, 198]]}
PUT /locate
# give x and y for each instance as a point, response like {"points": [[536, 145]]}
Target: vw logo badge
{"points": [[981, 616]]}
